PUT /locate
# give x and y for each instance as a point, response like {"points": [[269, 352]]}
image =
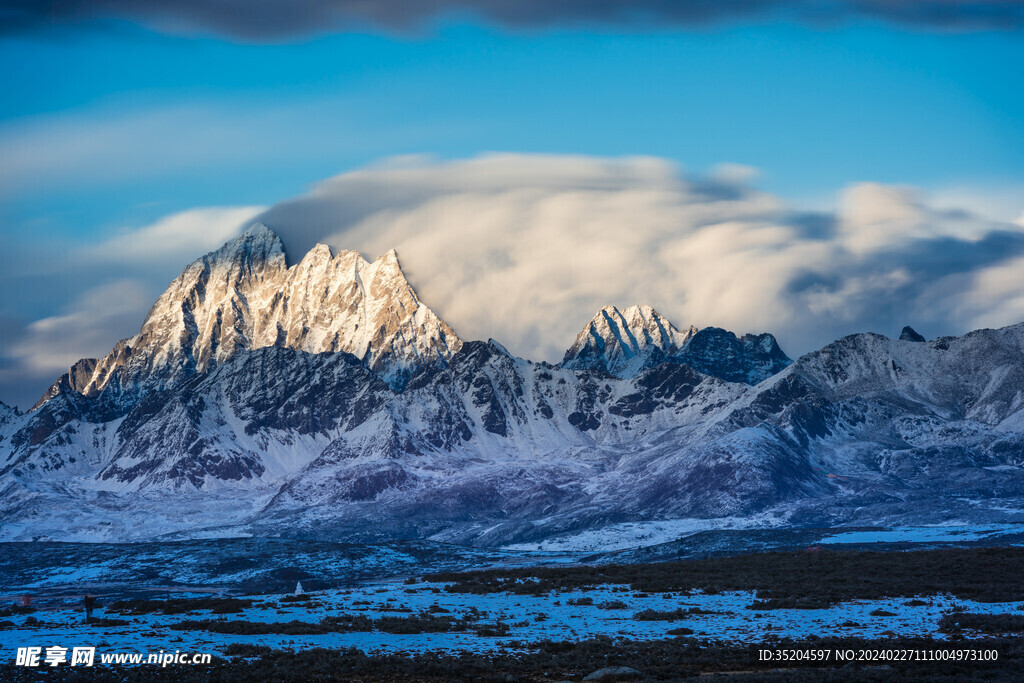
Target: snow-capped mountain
{"points": [[324, 400], [243, 296], [621, 343]]}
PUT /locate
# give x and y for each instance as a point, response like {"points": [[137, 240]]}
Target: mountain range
{"points": [[322, 399]]}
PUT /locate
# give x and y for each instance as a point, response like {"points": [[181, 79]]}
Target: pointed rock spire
{"points": [[257, 244], [910, 334]]}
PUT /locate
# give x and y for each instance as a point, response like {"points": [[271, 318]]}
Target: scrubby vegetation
{"points": [[421, 623], [809, 580], [673, 615], [791, 602], [655, 615], [180, 606], [424, 622], [247, 650], [780, 580], [681, 631], [99, 622], [256, 628], [12, 610]]}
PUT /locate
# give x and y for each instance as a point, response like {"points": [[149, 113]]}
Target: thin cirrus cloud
{"points": [[110, 144], [117, 141], [257, 20], [34, 354], [174, 239], [54, 343], [526, 248]]}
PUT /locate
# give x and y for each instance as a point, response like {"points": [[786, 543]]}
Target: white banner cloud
{"points": [[525, 248]]}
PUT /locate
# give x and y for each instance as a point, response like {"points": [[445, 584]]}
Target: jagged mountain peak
{"points": [[7, 411], [624, 342], [244, 296], [618, 342], [492, 449], [749, 359], [257, 244], [911, 335], [494, 343]]}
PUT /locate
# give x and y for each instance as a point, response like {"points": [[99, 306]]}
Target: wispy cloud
{"points": [[175, 239], [33, 355], [258, 20], [52, 344], [102, 290], [118, 141], [113, 143]]}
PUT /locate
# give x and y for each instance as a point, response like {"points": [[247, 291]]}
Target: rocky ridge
{"points": [[323, 400]]}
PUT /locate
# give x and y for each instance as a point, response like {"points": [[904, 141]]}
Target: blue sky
{"points": [[813, 109], [110, 126]]}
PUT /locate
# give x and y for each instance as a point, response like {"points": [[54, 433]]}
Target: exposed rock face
{"points": [[243, 296], [750, 359], [910, 334], [7, 415]]}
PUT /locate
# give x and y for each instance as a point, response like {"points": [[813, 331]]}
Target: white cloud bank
{"points": [[526, 248]]}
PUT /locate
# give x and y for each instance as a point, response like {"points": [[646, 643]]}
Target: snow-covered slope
{"points": [[979, 376], [323, 400]]}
